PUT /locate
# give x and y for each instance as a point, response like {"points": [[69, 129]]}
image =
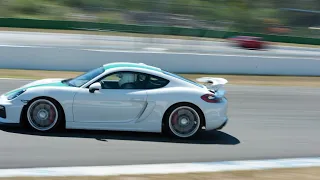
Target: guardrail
{"points": [[145, 29]]}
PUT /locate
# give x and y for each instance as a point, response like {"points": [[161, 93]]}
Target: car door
{"points": [[110, 104]]}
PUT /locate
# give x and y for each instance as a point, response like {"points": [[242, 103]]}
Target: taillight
{"points": [[210, 98]]}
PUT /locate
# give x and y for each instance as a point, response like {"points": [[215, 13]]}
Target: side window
{"points": [[156, 82], [110, 82], [119, 80], [112, 78], [132, 80]]}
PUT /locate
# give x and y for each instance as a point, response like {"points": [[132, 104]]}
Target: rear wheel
{"points": [[183, 121], [43, 115]]}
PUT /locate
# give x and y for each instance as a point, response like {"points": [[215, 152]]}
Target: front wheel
{"points": [[43, 115], [183, 121]]}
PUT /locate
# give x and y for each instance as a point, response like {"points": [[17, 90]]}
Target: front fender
{"points": [[63, 95]]}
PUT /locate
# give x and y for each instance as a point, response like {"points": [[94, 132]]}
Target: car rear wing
{"points": [[214, 84]]}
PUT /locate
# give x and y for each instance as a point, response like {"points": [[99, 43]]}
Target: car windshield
{"points": [[84, 78]]}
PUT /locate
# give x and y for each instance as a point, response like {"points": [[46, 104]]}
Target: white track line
{"points": [[162, 168]]}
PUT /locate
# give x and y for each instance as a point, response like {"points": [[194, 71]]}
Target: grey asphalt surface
{"points": [[265, 122], [16, 39]]}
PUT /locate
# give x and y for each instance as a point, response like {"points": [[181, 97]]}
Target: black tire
{"points": [[189, 109], [57, 112]]}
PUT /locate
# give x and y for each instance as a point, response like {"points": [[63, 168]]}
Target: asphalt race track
{"points": [[265, 122]]}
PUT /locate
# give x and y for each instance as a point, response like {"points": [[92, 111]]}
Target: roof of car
{"points": [[130, 65], [148, 67]]}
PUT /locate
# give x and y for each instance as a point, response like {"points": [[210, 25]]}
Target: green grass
{"points": [[245, 17], [244, 14]]}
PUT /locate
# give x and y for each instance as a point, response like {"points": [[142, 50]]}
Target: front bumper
{"points": [[10, 111], [3, 112]]}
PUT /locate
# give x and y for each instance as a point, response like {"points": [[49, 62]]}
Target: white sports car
{"points": [[122, 97]]}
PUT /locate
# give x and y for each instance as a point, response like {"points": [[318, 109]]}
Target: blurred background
{"points": [[281, 17]]}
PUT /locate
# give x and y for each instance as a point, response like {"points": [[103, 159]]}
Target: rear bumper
{"points": [[217, 124], [217, 118], [223, 125]]}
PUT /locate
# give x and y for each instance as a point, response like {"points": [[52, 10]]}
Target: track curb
{"points": [[200, 167]]}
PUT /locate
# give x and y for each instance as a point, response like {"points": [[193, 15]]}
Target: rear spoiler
{"points": [[214, 84]]}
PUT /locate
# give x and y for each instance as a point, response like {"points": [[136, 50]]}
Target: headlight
{"points": [[15, 94]]}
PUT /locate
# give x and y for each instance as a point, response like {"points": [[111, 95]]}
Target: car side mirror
{"points": [[94, 87]]}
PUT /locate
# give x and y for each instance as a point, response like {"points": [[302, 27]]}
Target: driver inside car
{"points": [[127, 80]]}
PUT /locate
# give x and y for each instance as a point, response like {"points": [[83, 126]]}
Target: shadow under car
{"points": [[207, 137]]}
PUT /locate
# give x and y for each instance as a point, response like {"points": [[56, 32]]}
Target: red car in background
{"points": [[248, 42]]}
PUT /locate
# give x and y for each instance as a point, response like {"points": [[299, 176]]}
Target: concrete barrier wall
{"points": [[82, 60]]}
